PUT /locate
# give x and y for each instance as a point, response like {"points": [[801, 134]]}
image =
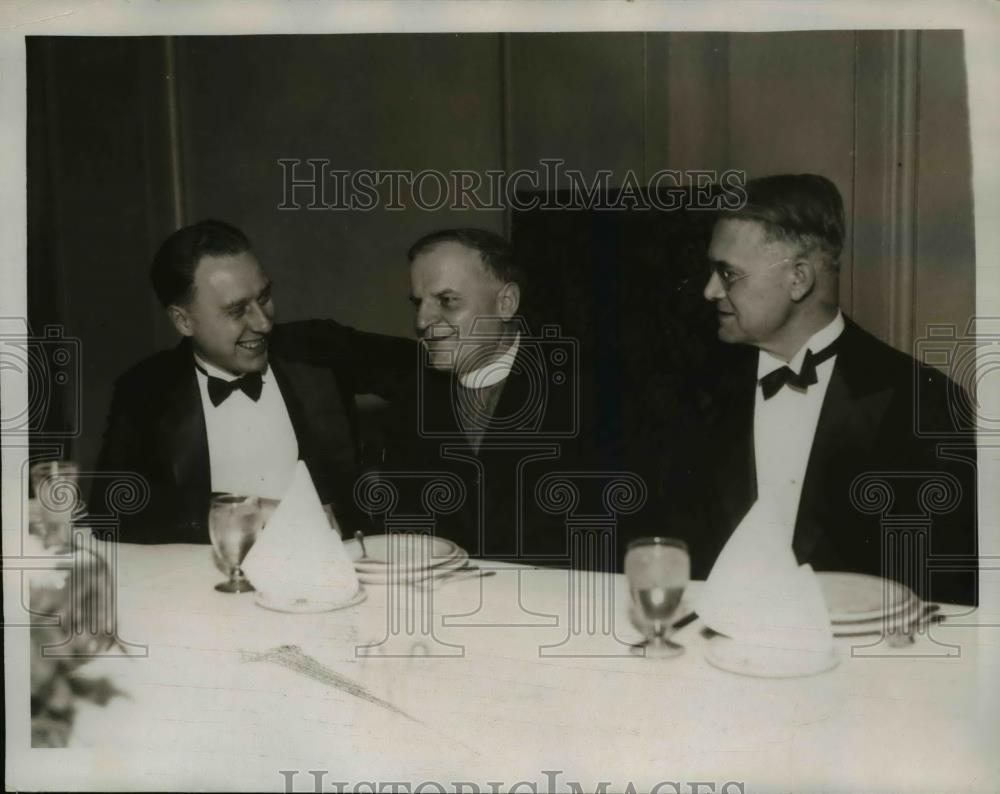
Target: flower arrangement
{"points": [[69, 604]]}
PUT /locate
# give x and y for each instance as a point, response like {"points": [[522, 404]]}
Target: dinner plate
{"points": [[437, 551], [303, 606], [766, 662], [386, 575], [883, 623], [856, 597]]}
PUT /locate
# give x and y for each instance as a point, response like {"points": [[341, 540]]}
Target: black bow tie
{"points": [[251, 384], [771, 383]]}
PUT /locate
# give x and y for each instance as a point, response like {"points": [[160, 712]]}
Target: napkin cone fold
{"points": [[758, 595], [298, 557]]}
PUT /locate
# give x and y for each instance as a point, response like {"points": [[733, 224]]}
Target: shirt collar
{"points": [[216, 372], [820, 340], [494, 372]]}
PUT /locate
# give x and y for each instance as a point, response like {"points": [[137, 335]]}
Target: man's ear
{"points": [[508, 300], [803, 279], [179, 317]]}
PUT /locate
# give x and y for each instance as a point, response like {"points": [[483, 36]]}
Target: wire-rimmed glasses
{"points": [[728, 275]]}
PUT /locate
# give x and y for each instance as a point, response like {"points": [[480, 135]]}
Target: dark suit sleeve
{"points": [[123, 457], [945, 442], [134, 492], [365, 363]]}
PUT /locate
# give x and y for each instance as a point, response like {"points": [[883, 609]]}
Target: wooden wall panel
{"points": [[579, 98], [688, 120], [791, 99], [364, 102], [945, 247], [105, 151], [875, 121]]}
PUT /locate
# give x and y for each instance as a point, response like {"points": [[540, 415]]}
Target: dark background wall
{"points": [[130, 137]]}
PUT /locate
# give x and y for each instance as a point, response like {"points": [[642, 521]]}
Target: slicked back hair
{"points": [[177, 259], [804, 208], [495, 252]]}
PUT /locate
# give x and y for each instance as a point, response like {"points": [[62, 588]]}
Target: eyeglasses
{"points": [[727, 276]]}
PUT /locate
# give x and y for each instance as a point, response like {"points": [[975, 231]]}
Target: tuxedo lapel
{"points": [[853, 408], [181, 429]]}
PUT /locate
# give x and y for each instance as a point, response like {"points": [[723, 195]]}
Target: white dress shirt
{"points": [[252, 449], [494, 372], [785, 425], [479, 394]]}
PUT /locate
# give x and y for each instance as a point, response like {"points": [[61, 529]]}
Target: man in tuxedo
{"points": [[493, 406], [820, 417], [240, 400]]}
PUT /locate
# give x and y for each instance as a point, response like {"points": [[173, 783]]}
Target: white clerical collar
{"points": [[494, 372], [820, 340], [216, 372]]}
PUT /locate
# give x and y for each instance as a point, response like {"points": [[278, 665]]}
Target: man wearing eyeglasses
{"points": [[816, 404]]}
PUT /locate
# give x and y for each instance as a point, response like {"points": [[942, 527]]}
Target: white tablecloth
{"points": [[494, 701]]}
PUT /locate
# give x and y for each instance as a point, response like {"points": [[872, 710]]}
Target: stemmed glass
{"points": [[233, 525], [657, 570]]}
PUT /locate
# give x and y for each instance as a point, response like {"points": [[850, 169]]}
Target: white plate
{"points": [[385, 575], [301, 606], [763, 662], [436, 550], [855, 597], [883, 623]]}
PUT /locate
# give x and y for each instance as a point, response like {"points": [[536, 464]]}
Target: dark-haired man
{"points": [[814, 405], [239, 401], [492, 405]]}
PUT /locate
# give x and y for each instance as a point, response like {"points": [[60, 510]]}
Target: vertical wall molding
{"points": [[689, 107], [900, 185], [53, 152], [506, 120], [645, 108], [884, 223], [174, 133]]}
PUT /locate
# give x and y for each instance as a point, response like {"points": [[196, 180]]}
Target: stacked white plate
{"points": [[404, 558], [862, 604]]}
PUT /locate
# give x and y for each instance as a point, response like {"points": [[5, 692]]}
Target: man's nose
{"points": [[713, 289], [426, 316], [260, 320]]}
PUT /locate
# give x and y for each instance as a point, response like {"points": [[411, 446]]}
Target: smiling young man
{"points": [[815, 404], [240, 400]]}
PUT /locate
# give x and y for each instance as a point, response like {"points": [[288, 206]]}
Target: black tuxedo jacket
{"points": [[156, 424], [887, 426], [538, 428]]}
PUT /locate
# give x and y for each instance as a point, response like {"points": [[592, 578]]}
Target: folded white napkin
{"points": [[758, 595], [298, 556]]}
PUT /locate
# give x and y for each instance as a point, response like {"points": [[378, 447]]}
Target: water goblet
{"points": [[657, 570], [233, 525]]}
